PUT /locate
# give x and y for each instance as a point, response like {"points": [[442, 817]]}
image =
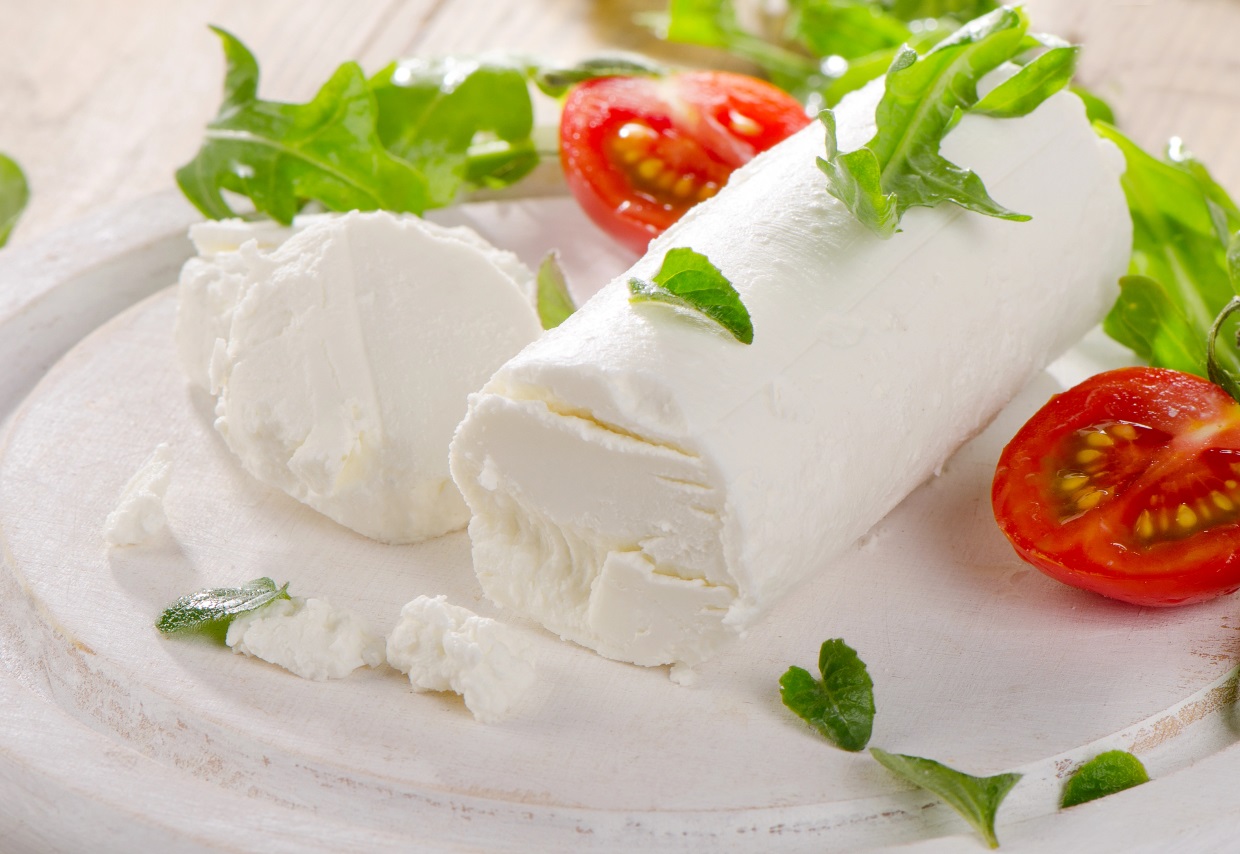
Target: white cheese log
{"points": [[647, 487]]}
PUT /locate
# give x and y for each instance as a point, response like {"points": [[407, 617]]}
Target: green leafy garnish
{"points": [[841, 704], [555, 303], [1178, 278], [688, 280], [458, 121], [410, 138], [212, 607], [14, 194], [1104, 775], [819, 50], [280, 155], [900, 167], [977, 799]]}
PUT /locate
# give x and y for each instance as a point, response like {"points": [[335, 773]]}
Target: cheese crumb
{"points": [[310, 637], [448, 648], [139, 514]]}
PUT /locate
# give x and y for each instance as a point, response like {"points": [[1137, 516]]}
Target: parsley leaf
{"points": [[14, 194], [206, 609], [280, 155], [689, 281], [900, 167], [977, 799], [840, 705], [1178, 278], [1104, 775], [555, 303]]}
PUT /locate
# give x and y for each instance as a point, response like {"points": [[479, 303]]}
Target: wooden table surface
{"points": [[101, 101]]}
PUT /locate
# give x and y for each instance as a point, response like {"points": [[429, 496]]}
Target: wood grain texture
{"points": [[102, 101]]}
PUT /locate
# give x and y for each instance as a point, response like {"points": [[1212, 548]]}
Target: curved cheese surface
{"points": [[646, 486]]}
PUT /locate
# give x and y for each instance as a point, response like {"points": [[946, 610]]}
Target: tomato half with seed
{"points": [[640, 151], [1129, 485]]}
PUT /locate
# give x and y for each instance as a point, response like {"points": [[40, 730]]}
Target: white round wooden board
{"points": [[116, 738]]}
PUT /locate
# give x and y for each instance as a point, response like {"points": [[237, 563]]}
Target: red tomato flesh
{"points": [[1129, 485], [640, 151]]}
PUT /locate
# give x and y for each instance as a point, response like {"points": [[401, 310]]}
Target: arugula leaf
{"points": [[281, 155], [555, 303], [1182, 221], [820, 50], [14, 194], [1104, 775], [1096, 109], [557, 80], [1036, 81], [977, 799], [209, 608], [689, 281], [900, 167], [840, 705], [458, 121]]}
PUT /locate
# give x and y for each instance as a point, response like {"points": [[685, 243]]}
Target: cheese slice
{"points": [[646, 486]]}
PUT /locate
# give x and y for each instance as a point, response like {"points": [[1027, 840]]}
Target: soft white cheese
{"points": [[341, 353], [310, 637], [139, 514], [647, 487], [448, 648]]}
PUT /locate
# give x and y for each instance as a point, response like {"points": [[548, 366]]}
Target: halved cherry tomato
{"points": [[1129, 485], [640, 151]]}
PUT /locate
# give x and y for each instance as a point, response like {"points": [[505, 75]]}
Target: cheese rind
{"points": [[341, 354], [647, 487]]}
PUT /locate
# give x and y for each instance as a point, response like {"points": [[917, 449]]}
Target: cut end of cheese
{"points": [[648, 490], [341, 353]]}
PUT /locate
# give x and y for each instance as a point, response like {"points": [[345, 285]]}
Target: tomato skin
{"points": [[1164, 528], [638, 152]]}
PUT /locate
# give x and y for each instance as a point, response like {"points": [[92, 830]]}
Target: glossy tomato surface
{"points": [[640, 151], [1129, 485]]}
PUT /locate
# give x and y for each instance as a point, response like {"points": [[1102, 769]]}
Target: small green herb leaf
{"points": [[206, 607], [555, 303], [688, 280], [1104, 775], [977, 799], [840, 705], [14, 194], [900, 167]]}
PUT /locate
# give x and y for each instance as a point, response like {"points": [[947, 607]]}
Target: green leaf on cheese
{"points": [[925, 96], [688, 280], [555, 303]]}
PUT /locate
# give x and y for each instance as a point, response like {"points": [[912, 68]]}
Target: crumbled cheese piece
{"points": [[311, 637], [648, 489], [342, 351], [139, 514], [448, 648]]}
